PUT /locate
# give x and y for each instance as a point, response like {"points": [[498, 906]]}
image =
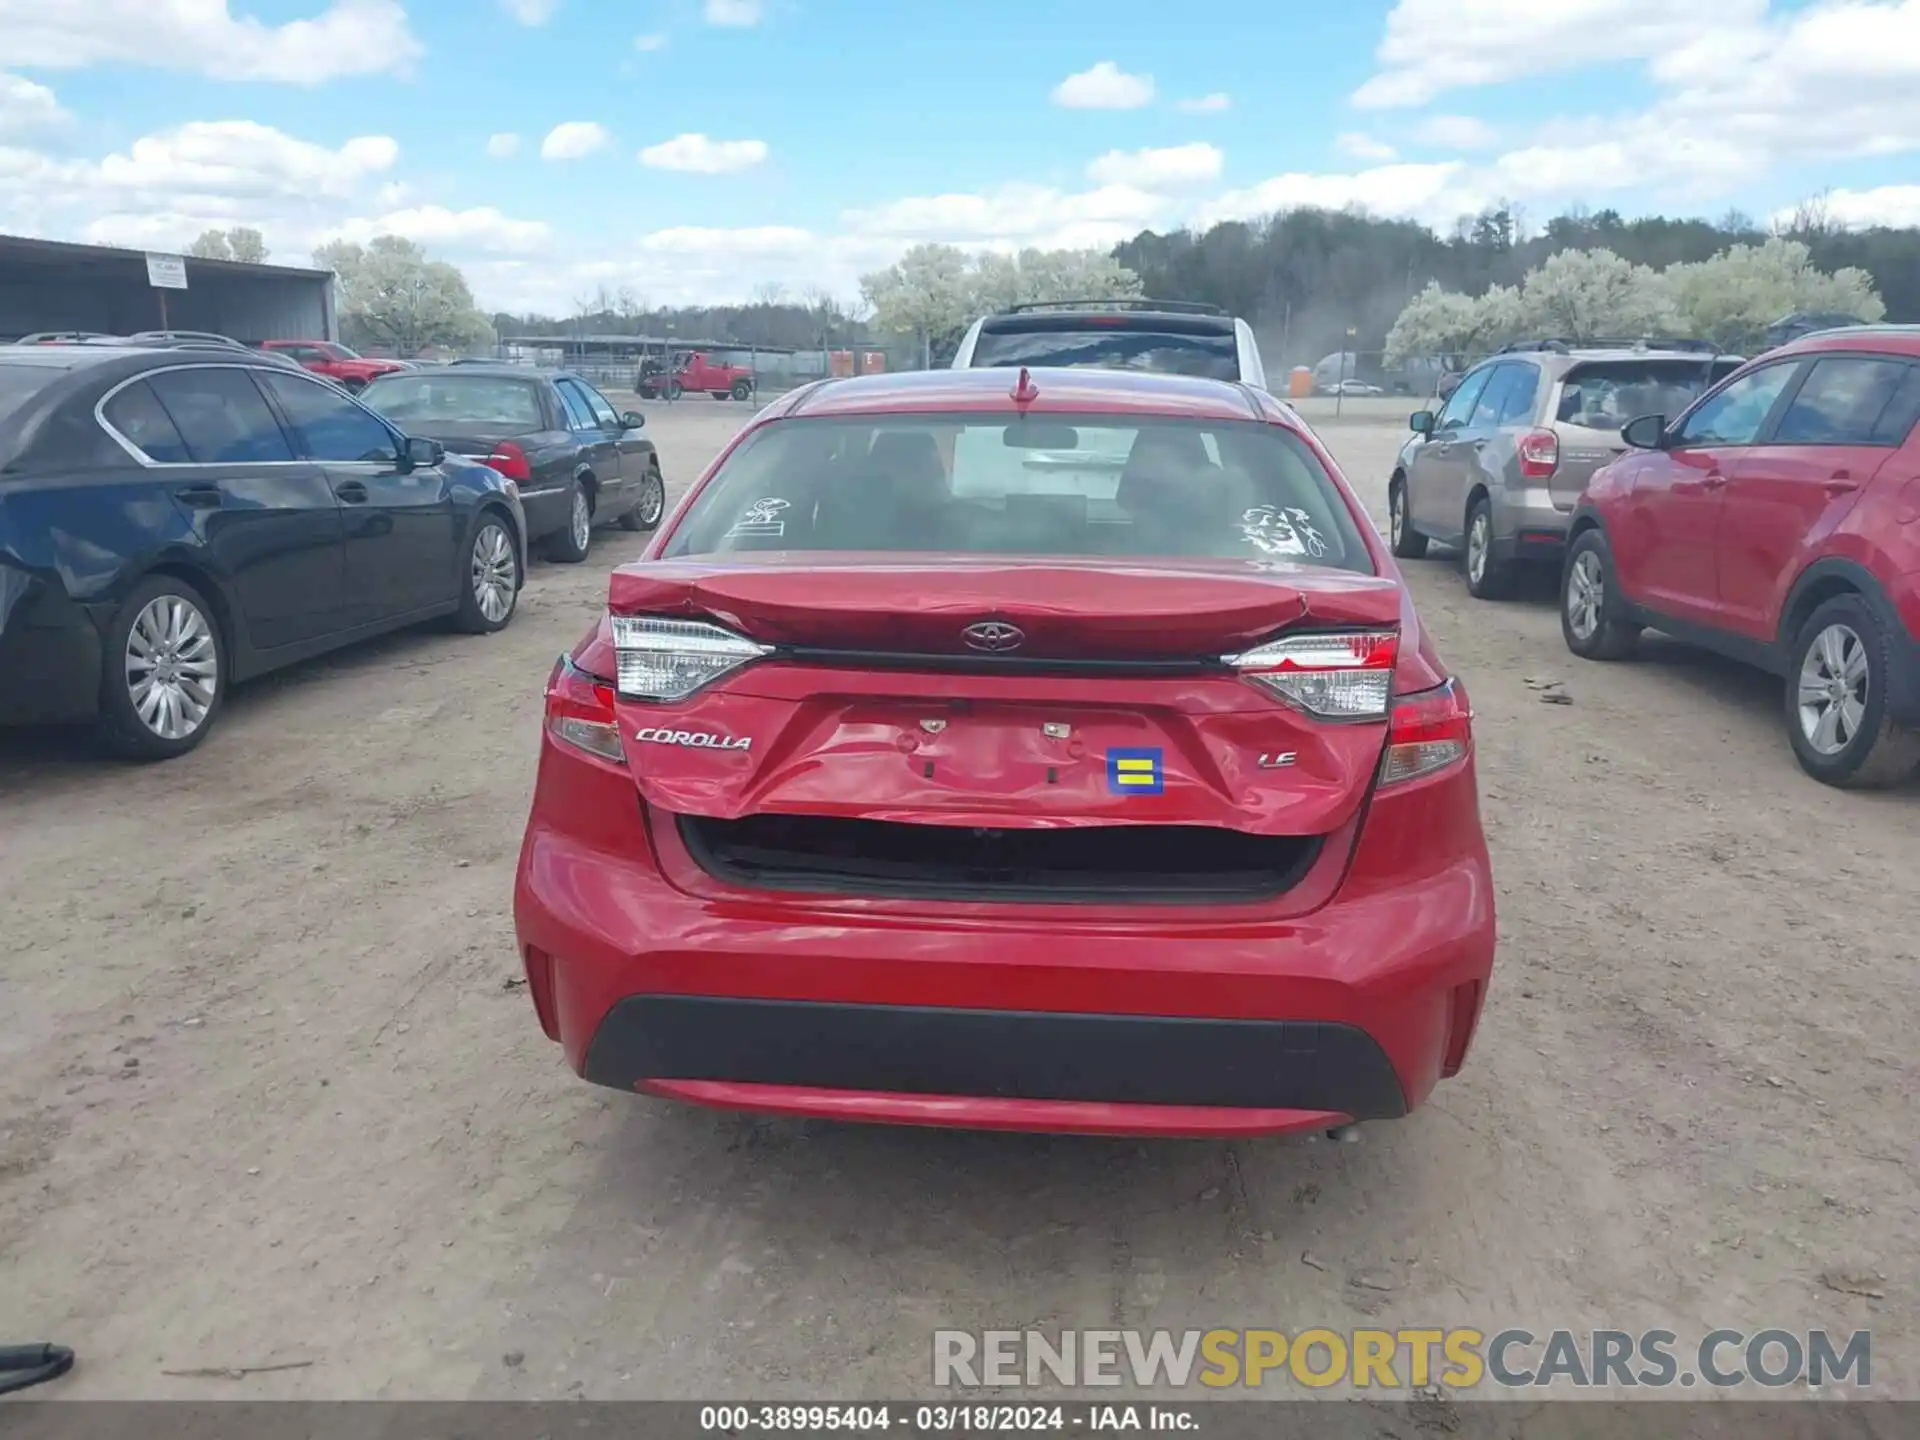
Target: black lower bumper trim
{"points": [[1000, 1054]]}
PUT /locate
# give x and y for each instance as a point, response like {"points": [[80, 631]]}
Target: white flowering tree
{"points": [[1733, 298], [934, 292], [1588, 294], [390, 294]]}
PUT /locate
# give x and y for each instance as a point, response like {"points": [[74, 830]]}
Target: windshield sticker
{"points": [[762, 517], [1282, 530]]}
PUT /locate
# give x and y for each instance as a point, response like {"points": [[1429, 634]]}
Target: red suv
{"points": [[1059, 753], [336, 362], [1777, 520]]}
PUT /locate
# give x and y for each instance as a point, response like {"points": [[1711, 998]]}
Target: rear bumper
{"points": [[547, 511], [1528, 526], [1102, 1020], [49, 653], [1001, 1054]]}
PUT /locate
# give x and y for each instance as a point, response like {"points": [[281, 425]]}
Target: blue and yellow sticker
{"points": [[1135, 772]]}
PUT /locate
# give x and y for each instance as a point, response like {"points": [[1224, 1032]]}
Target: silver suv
{"points": [[1172, 336], [1497, 471]]}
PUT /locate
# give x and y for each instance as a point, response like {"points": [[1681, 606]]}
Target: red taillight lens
{"points": [[580, 713], [1336, 675], [1428, 731], [1539, 454], [511, 461]]}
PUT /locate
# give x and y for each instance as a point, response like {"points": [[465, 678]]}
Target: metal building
{"points": [[51, 285]]}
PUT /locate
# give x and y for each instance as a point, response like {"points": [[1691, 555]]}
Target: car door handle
{"points": [[350, 492], [199, 497], [1841, 484], [1713, 480]]}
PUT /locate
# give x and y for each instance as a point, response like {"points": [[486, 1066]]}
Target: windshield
{"points": [[1605, 394], [477, 400], [340, 352], [975, 485], [1212, 357], [18, 384]]}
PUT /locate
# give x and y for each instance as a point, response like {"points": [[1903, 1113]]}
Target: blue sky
{"points": [[705, 149]]}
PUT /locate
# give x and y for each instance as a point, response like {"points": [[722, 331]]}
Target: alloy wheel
{"points": [[1479, 542], [493, 573], [581, 523], [1396, 514], [653, 499], [1833, 689], [172, 667], [1586, 594]]}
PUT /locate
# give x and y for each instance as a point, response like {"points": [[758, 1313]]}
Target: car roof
{"points": [[502, 371], [1901, 340], [990, 389]]}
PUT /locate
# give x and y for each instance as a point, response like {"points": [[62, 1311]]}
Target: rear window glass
{"points": [[457, 400], [1050, 485], [19, 383], [1843, 401], [138, 415], [1605, 394], [1211, 357], [221, 416]]}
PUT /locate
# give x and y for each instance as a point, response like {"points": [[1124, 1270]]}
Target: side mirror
{"points": [[633, 420], [1421, 422], [1645, 432], [421, 454]]}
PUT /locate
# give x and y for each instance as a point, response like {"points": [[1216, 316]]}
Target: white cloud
{"points": [[574, 140], [1454, 132], [26, 107], [530, 12], [700, 155], [1364, 147], [348, 37], [503, 146], [1433, 46], [1105, 87], [1016, 215], [1895, 205], [241, 158], [1437, 194], [734, 14], [1205, 104], [647, 44], [482, 228], [746, 240], [1174, 166]]}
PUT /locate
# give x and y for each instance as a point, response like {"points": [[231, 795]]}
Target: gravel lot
{"points": [[265, 1097]]}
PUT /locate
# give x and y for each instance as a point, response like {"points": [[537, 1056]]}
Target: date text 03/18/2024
{"points": [[941, 1419]]}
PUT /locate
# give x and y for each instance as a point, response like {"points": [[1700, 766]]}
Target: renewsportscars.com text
{"points": [[1457, 1358]]}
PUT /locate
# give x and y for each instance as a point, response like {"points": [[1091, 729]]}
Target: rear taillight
{"points": [[511, 461], [670, 659], [580, 713], [1335, 676], [1539, 454], [1428, 731]]}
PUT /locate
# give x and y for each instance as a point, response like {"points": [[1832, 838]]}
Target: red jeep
{"points": [[693, 370], [336, 362]]}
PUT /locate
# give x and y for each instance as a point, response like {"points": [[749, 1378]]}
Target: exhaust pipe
{"points": [[1345, 1134]]}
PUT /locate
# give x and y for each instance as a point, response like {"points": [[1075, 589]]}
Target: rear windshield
{"points": [[1211, 357], [1605, 394], [976, 485], [18, 384], [489, 400]]}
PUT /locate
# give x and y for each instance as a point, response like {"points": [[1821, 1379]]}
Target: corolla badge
{"points": [[695, 739], [995, 636]]}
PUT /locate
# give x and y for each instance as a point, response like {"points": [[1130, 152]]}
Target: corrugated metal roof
{"points": [[26, 250]]}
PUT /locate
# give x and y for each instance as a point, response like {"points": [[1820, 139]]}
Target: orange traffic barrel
{"points": [[1299, 382]]}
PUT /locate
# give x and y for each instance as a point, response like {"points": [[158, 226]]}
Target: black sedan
{"points": [[577, 460], [174, 521]]}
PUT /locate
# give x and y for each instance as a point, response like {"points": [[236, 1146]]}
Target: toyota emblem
{"points": [[994, 636]]}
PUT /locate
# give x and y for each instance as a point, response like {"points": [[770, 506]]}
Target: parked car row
{"points": [[1768, 510], [179, 517]]}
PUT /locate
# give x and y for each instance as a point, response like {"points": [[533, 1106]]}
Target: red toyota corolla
{"points": [[1054, 753]]}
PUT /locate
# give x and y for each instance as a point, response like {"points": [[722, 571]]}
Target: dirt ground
{"points": [[266, 1098]]}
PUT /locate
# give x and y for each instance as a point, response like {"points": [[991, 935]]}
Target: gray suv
{"points": [[1497, 471]]}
